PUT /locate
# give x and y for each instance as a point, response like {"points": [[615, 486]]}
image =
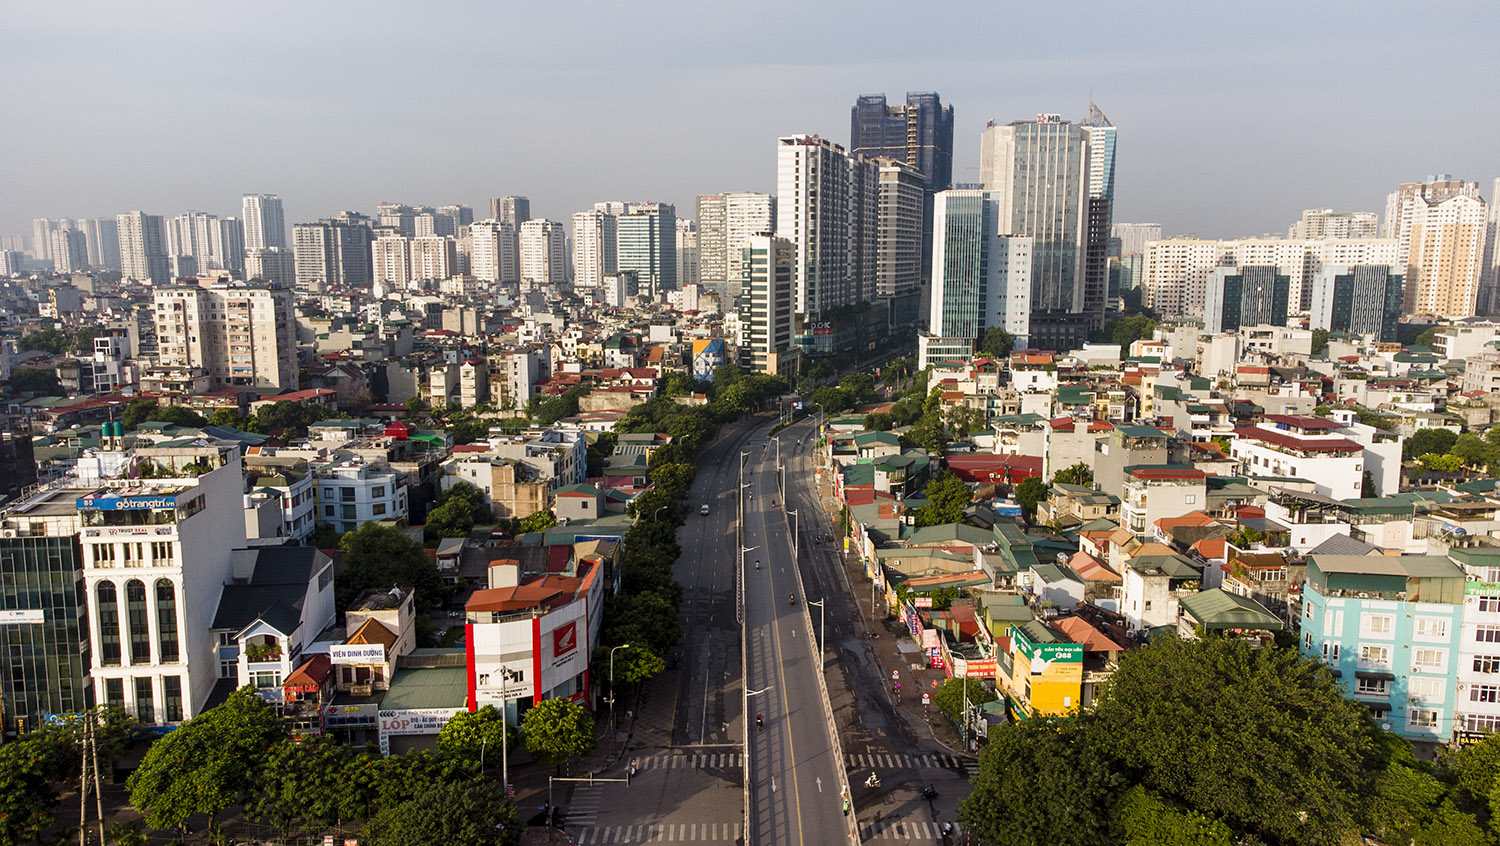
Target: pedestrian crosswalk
{"points": [[867, 760], [583, 808], [874, 759], [905, 830], [661, 833]]}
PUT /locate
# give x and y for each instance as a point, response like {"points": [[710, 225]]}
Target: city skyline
{"points": [[1201, 122]]}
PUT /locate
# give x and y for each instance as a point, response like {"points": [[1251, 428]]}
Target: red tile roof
{"points": [[1082, 632], [1168, 473], [1291, 441], [1302, 421]]}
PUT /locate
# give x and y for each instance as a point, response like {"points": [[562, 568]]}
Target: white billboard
{"points": [[356, 653]]}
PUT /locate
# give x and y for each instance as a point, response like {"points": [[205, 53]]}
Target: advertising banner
{"points": [[356, 653]]}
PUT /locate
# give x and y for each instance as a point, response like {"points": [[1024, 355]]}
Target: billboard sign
{"points": [[22, 615], [356, 653], [124, 503], [564, 639]]}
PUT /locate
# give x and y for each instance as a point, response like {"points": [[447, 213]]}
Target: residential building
{"points": [[263, 221], [1445, 255], [1389, 627], [69, 250], [335, 251], [391, 261], [1304, 448], [980, 278], [826, 210], [1320, 224], [1154, 581], [594, 240], [511, 209], [543, 256], [239, 335], [143, 247], [272, 265], [1055, 184], [102, 241], [1046, 677], [1154, 492], [353, 491], [1245, 296], [687, 253], [900, 235], [433, 257], [724, 222], [646, 245], [1362, 299], [492, 252], [767, 300], [1477, 701], [276, 603], [511, 488], [152, 601]]}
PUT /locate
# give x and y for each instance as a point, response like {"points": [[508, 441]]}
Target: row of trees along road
{"points": [[1213, 743]]}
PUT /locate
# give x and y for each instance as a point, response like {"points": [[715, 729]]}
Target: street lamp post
{"points": [[612, 684], [796, 524], [819, 603]]}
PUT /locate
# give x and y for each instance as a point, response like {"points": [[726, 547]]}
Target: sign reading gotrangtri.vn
{"points": [[124, 503]]}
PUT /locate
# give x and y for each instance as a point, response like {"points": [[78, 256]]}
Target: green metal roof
{"points": [[1220, 609], [427, 687]]}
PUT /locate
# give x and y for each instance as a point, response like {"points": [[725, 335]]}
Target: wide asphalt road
{"points": [[791, 764]]}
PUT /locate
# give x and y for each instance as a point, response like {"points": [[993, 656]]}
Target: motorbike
{"points": [[760, 722], [757, 563], [873, 780], [791, 599], [929, 792]]}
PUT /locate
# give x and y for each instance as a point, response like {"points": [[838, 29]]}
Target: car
{"points": [[704, 510]]}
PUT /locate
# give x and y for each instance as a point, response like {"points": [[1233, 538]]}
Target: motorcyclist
{"points": [[760, 722], [791, 599], [757, 563]]}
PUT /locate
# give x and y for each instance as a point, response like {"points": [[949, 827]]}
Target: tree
{"points": [[556, 730], [1127, 329], [325, 536], [1141, 818], [1266, 717], [632, 664], [1078, 474], [1433, 440], [1446, 463], [476, 734], [53, 341], [1425, 339], [207, 764], [32, 380], [1030, 494], [646, 619], [1040, 783], [464, 814], [29, 767], [1367, 486], [458, 510], [1474, 451], [996, 343], [538, 522], [301, 781], [226, 417], [1319, 342], [947, 497], [950, 696], [377, 555], [415, 405]]}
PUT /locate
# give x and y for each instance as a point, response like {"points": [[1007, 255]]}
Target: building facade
{"points": [[143, 247], [767, 300], [594, 241], [239, 335], [1253, 295], [543, 256], [826, 209], [264, 224], [1362, 299], [646, 245]]}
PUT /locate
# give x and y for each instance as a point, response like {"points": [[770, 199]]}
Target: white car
{"points": [[704, 510]]}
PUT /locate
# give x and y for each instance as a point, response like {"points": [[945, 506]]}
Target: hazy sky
{"points": [[1233, 117]]}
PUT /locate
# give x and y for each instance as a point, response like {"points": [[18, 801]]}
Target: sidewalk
{"points": [[895, 649]]}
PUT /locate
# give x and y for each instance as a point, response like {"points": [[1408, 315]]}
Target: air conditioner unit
{"points": [[1413, 699], [1461, 686], [8, 533], [1416, 669]]}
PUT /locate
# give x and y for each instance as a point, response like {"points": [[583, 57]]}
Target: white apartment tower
{"points": [[143, 247], [239, 335], [826, 209], [391, 261], [543, 252], [687, 253], [594, 239], [492, 251], [981, 279], [272, 265], [1319, 224], [767, 301], [264, 224], [1445, 257], [433, 257], [724, 222], [69, 250]]}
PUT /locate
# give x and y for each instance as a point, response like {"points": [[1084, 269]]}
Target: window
{"points": [[166, 620], [346, 494], [1307, 611], [1484, 693], [106, 601], [1422, 718], [1330, 650], [1148, 605], [328, 511], [1487, 634], [1307, 641], [1489, 602], [1376, 623], [1481, 722], [114, 693], [136, 615], [1375, 656], [1333, 621], [378, 508], [145, 707], [379, 491], [1372, 687], [1435, 628], [1429, 660], [229, 668], [1427, 690], [162, 551], [171, 689], [328, 493], [104, 554], [1487, 663], [1190, 499]]}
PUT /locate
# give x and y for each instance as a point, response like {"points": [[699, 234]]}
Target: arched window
{"points": [[138, 618], [107, 602], [166, 620]]}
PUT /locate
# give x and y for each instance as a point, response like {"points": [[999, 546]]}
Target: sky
{"points": [[1232, 117]]}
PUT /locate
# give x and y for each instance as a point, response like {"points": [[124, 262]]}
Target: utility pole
{"points": [[821, 609]]}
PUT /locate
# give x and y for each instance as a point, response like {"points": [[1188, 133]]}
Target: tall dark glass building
{"points": [[919, 133]]}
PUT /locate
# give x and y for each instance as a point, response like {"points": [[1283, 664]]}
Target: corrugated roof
{"points": [[427, 687], [1220, 609]]}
